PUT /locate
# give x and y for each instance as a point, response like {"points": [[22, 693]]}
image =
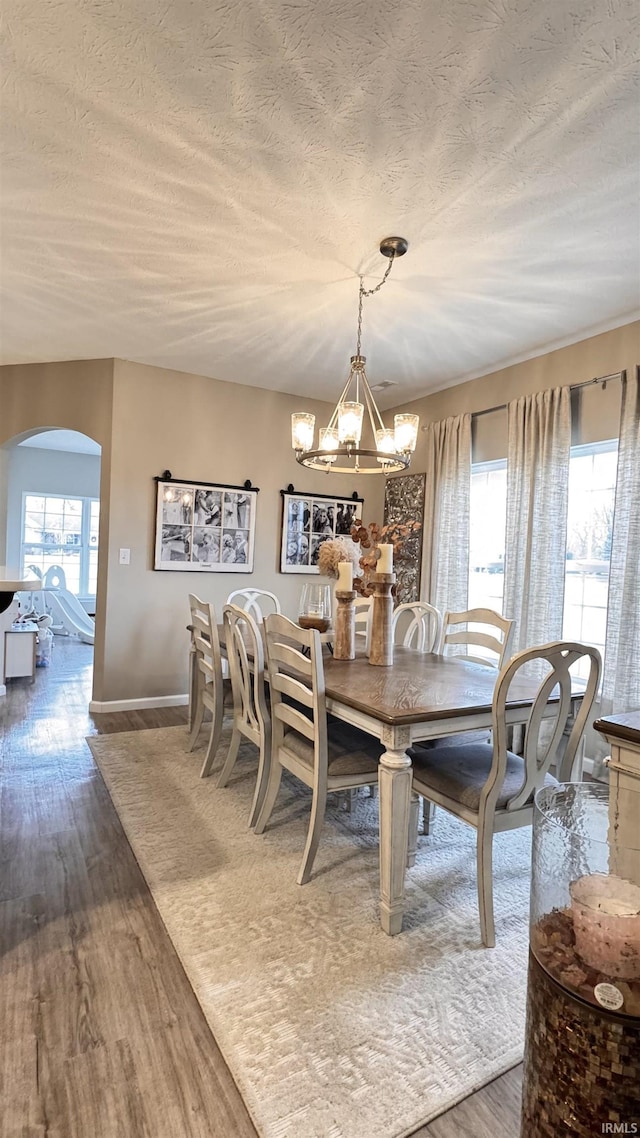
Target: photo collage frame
{"points": [[307, 521], [204, 528]]}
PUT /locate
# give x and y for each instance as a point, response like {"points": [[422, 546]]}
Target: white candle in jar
{"points": [[345, 577], [385, 561], [606, 922]]}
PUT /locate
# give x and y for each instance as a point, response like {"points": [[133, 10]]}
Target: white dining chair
{"points": [[477, 628], [208, 684], [492, 788], [325, 756], [416, 624], [362, 619], [257, 602], [251, 718], [468, 635]]}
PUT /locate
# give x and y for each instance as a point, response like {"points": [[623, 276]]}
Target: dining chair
{"points": [[362, 619], [477, 628], [492, 788], [208, 683], [325, 756], [251, 718], [416, 624], [257, 602]]}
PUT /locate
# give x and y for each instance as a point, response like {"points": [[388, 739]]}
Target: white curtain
{"points": [[448, 484], [536, 530], [621, 682]]}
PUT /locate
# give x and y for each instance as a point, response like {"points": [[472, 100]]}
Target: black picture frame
{"points": [[307, 521], [204, 527]]}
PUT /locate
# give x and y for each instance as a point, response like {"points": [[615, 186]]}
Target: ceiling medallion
{"points": [[339, 447]]}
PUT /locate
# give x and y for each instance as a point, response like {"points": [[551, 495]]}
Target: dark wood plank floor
{"points": [[101, 1035]]}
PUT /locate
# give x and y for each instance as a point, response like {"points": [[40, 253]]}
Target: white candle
{"points": [[606, 922], [345, 577], [385, 562]]}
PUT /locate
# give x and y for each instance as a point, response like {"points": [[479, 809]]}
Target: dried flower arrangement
{"points": [[333, 551], [369, 538]]}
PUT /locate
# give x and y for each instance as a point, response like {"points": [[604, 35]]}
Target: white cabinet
{"points": [[20, 651]]}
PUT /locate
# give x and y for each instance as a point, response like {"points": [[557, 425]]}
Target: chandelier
{"points": [[339, 446]]}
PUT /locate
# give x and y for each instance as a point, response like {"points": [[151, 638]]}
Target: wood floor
{"points": [[101, 1035]]}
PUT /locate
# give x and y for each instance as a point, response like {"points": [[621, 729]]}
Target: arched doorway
{"points": [[49, 525]]}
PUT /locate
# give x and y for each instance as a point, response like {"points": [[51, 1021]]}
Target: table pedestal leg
{"points": [[394, 786]]}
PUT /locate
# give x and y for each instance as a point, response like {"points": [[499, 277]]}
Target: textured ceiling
{"points": [[197, 184]]}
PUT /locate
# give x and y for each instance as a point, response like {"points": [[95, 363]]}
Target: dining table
{"points": [[419, 696]]}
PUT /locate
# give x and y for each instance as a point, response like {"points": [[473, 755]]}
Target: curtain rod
{"points": [[603, 379]]}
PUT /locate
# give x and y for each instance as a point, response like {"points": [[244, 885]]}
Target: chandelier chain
{"points": [[369, 292]]}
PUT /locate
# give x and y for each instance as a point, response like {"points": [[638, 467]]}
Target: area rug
{"points": [[331, 1029]]}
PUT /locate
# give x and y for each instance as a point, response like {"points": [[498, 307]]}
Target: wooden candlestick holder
{"points": [[381, 642], [344, 641]]}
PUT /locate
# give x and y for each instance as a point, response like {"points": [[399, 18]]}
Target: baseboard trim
{"points": [[103, 707]]}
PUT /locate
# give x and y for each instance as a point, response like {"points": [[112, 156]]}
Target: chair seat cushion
{"points": [[460, 773], [351, 752]]}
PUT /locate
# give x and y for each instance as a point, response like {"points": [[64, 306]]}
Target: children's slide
{"points": [[65, 608]]}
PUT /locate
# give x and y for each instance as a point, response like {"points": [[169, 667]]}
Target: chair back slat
{"points": [[208, 657], [362, 619], [257, 602], [245, 652], [416, 624], [543, 731], [296, 671], [294, 718], [459, 629]]}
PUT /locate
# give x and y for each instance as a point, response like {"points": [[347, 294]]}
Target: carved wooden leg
{"points": [[318, 808], [485, 884], [394, 785], [262, 777], [273, 786], [230, 761], [414, 822]]}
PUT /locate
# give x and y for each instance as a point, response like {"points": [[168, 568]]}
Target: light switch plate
{"points": [[125, 556]]}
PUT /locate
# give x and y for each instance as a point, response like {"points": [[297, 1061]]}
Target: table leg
{"points": [[394, 787], [414, 825]]}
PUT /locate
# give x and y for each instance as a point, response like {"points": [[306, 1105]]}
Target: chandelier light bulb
{"points": [[385, 440], [302, 428], [406, 433], [350, 422], [329, 441]]}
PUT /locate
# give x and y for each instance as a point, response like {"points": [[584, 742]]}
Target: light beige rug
{"points": [[331, 1028]]}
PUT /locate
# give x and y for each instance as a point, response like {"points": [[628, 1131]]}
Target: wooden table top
{"points": [[419, 686], [625, 725]]}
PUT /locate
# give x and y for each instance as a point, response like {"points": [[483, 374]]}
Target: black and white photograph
{"points": [[175, 543], [205, 528], [307, 521]]}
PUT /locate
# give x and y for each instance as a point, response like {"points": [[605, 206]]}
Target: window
{"points": [[487, 514], [62, 531], [592, 487], [592, 490]]}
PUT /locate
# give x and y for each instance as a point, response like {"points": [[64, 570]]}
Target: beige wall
{"points": [[149, 419], [192, 426], [597, 411]]}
